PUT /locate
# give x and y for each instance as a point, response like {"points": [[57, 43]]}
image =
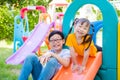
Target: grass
{"points": [[10, 72]]}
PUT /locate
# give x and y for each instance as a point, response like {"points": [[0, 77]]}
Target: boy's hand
{"points": [[43, 59]]}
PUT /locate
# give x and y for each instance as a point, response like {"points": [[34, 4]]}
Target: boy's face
{"points": [[56, 42], [81, 29]]}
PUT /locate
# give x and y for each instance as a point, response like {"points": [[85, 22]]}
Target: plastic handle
{"points": [[59, 15], [31, 7], [42, 8]]}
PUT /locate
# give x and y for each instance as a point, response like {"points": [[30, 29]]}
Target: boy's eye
{"points": [[55, 40]]}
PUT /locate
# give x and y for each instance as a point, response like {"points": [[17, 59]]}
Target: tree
{"points": [[10, 8]]}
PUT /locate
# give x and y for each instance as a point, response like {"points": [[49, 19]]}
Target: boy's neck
{"points": [[57, 51]]}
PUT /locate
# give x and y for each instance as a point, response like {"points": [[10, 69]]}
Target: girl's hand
{"points": [[75, 67], [81, 69]]}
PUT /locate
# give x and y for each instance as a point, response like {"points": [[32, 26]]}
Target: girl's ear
{"points": [[74, 25]]}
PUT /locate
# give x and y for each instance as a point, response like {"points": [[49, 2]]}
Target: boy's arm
{"points": [[64, 61]]}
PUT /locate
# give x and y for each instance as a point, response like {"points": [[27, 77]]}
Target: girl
{"points": [[54, 58], [80, 43]]}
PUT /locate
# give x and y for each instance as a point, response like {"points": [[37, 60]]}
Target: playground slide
{"points": [[92, 67], [31, 44]]}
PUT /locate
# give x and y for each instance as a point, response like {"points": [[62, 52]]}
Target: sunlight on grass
{"points": [[10, 72], [7, 72]]}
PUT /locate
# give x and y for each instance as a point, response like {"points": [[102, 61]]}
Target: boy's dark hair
{"points": [[55, 32]]}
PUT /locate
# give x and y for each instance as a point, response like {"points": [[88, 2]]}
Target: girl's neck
{"points": [[79, 39]]}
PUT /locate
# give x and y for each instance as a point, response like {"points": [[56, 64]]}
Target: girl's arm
{"points": [[84, 62], [85, 58], [64, 61], [73, 55]]}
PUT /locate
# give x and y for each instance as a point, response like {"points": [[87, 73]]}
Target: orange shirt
{"points": [[72, 42]]}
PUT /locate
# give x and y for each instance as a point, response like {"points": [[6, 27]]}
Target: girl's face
{"points": [[81, 29], [56, 42]]}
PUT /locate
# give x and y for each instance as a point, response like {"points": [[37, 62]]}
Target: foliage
{"points": [[69, 1], [23, 3], [98, 14], [118, 12], [59, 9], [6, 23], [11, 8]]}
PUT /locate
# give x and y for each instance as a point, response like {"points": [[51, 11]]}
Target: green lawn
{"points": [[10, 72]]}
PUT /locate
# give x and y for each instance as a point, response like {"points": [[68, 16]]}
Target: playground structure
{"points": [[118, 50], [21, 32], [109, 69], [92, 66], [108, 59], [97, 26], [55, 4]]}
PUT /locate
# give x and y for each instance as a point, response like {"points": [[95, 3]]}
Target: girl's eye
{"points": [[80, 26], [85, 28]]}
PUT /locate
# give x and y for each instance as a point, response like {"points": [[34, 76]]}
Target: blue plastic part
{"points": [[19, 31], [97, 26]]}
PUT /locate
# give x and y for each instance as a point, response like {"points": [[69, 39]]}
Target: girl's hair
{"points": [[82, 21], [87, 37], [55, 32]]}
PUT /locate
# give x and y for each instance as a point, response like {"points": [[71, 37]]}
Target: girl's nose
{"points": [[80, 29]]}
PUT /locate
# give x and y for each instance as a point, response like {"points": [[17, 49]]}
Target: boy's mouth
{"points": [[56, 46]]}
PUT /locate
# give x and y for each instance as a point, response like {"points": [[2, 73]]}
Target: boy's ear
{"points": [[63, 41]]}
